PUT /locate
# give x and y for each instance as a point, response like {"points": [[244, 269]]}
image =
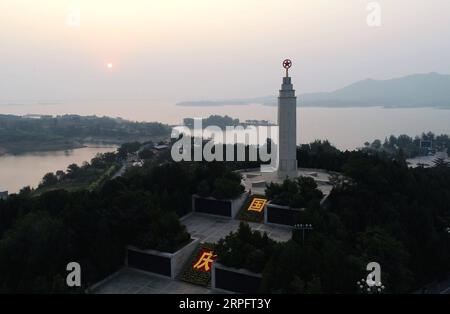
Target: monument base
{"points": [[256, 181]]}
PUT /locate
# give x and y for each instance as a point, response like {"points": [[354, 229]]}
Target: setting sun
{"points": [[109, 65]]}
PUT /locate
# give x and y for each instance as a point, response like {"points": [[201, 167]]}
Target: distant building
{"points": [[257, 122], [3, 194], [138, 163], [161, 146], [147, 146]]}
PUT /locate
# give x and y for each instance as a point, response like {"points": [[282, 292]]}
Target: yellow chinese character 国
{"points": [[257, 205]]}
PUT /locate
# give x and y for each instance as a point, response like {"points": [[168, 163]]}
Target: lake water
{"points": [[346, 128], [17, 171]]}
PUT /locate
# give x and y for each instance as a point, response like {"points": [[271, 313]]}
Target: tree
{"points": [[225, 188], [59, 174], [203, 189], [298, 193], [376, 245], [49, 179], [146, 154], [25, 191], [72, 170], [245, 249], [376, 144], [128, 148], [32, 253]]}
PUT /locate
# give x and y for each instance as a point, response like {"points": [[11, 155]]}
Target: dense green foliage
{"points": [[322, 155], [411, 206], [101, 168], [410, 147], [186, 178], [128, 148], [88, 175], [40, 235], [146, 154], [380, 210], [21, 134], [245, 249], [299, 193], [243, 156], [227, 186]]}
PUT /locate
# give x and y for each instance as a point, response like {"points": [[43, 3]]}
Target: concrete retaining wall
{"points": [[162, 263], [233, 280], [223, 208], [180, 257], [237, 203], [280, 215]]}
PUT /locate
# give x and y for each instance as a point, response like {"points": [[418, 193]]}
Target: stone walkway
{"points": [[209, 228], [131, 281], [256, 181]]}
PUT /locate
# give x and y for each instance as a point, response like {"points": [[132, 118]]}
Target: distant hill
{"points": [[418, 90]]}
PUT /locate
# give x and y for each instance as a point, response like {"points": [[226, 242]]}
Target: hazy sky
{"points": [[210, 49]]}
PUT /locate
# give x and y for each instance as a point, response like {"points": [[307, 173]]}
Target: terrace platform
{"points": [[131, 281], [209, 228], [255, 181]]}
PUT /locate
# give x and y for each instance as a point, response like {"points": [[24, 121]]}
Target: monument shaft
{"points": [[287, 124]]}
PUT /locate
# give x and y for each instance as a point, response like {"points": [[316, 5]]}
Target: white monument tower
{"points": [[287, 124]]}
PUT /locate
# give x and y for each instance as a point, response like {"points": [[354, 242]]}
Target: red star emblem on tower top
{"points": [[287, 64]]}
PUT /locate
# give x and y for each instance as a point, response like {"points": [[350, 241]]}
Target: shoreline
{"points": [[28, 147], [57, 148]]}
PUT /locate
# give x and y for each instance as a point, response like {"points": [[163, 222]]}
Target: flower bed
{"points": [[196, 273], [246, 214]]}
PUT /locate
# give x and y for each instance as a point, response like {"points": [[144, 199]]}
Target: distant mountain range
{"points": [[418, 90]]}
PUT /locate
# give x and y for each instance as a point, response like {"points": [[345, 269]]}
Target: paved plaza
{"points": [[131, 281], [256, 181], [209, 228]]}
